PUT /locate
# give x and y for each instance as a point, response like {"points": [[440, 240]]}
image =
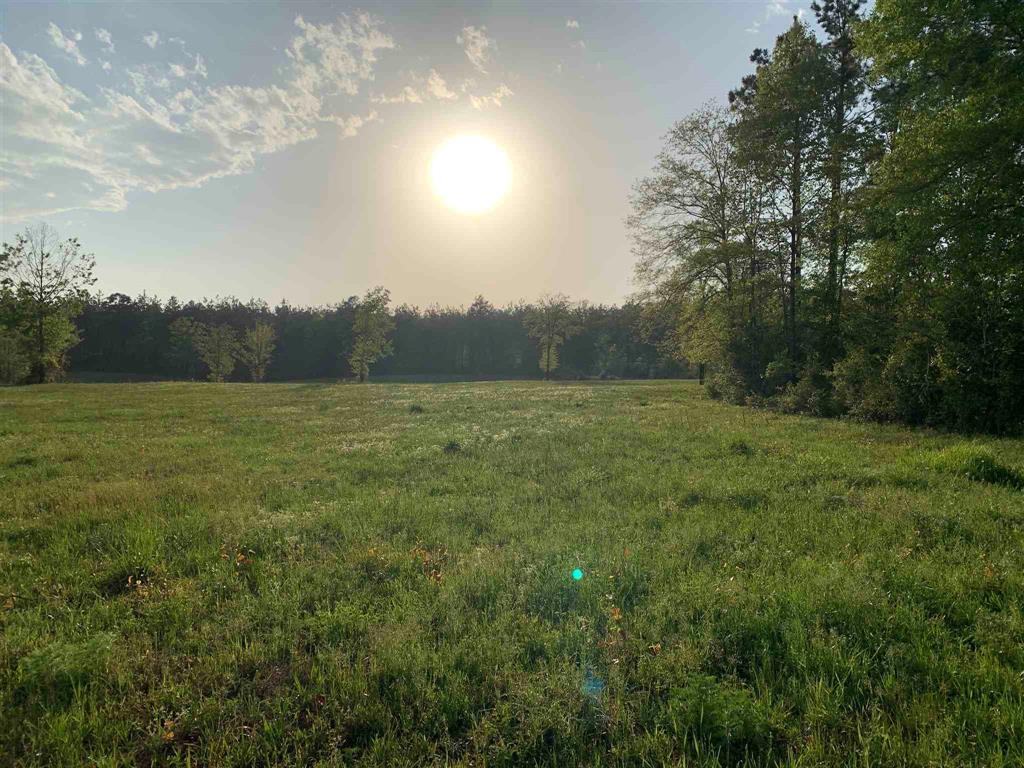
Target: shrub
{"points": [[803, 396], [727, 385], [860, 389]]}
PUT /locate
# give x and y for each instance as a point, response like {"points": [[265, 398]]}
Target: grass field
{"points": [[209, 575]]}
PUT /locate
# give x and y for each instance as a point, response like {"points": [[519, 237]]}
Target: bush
{"points": [[811, 393], [727, 385], [861, 390]]}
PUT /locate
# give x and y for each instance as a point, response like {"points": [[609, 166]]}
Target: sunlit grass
{"points": [[386, 575]]}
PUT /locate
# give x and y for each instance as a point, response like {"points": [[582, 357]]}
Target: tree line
{"points": [[846, 235], [46, 284]]}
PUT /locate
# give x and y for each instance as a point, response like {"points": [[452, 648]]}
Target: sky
{"points": [[283, 150]]}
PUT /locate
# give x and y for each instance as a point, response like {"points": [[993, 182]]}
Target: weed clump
{"points": [[977, 463], [134, 578], [416, 408], [452, 446], [740, 448]]}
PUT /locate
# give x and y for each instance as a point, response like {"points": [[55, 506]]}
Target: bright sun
{"points": [[470, 174]]}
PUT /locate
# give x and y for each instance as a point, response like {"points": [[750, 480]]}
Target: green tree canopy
{"points": [[370, 329], [550, 322], [45, 281]]}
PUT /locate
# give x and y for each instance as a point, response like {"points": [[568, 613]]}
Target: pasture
{"points": [[382, 575]]}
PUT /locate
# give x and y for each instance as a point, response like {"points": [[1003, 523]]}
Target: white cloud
{"points": [[493, 100], [776, 8], [154, 134], [433, 86], [152, 39], [579, 44], [572, 24], [754, 28], [105, 66], [438, 88], [67, 44], [408, 95], [350, 125], [334, 59], [477, 45], [104, 37]]}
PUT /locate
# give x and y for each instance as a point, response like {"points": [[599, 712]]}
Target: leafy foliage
{"points": [[43, 282], [370, 331], [848, 239], [550, 323], [218, 348], [258, 349]]}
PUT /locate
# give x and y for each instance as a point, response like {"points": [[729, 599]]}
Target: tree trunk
{"points": [[795, 242]]}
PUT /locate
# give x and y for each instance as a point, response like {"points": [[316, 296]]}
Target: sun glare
{"points": [[470, 174]]}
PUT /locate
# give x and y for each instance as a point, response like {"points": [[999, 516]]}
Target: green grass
{"points": [[211, 575]]}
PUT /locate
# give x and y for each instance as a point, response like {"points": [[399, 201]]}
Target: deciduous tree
{"points": [[258, 349], [49, 278], [218, 347], [370, 329], [550, 322]]}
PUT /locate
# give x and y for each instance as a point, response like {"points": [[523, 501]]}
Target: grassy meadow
{"points": [[381, 575]]}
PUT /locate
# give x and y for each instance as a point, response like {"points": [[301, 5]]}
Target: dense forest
{"points": [[121, 335], [842, 235]]}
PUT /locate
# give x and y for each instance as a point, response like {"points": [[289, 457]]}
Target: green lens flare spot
{"points": [[577, 574]]}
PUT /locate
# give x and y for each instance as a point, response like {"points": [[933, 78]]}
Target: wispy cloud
{"points": [[104, 37], [68, 44], [477, 45], [494, 99], [152, 39], [773, 9], [778, 8], [438, 88], [422, 89], [160, 130], [408, 95]]}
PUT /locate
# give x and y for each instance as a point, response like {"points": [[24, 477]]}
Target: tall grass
{"points": [[201, 574]]}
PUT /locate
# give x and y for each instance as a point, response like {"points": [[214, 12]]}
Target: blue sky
{"points": [[282, 150]]}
